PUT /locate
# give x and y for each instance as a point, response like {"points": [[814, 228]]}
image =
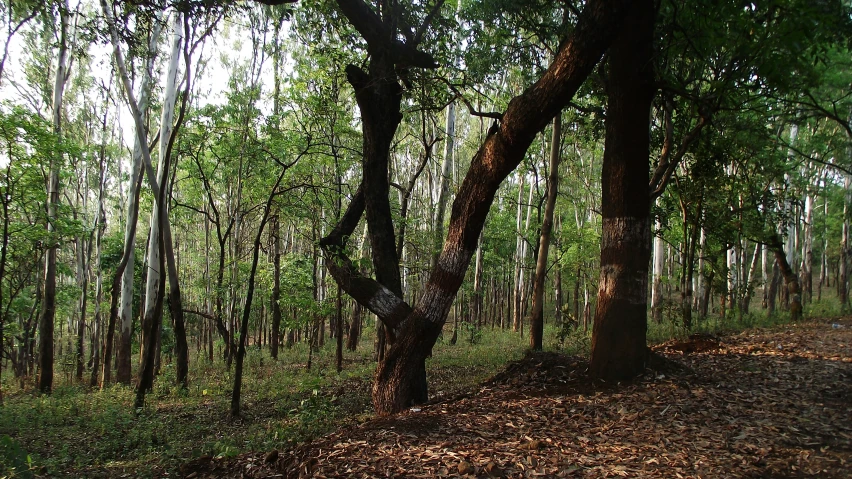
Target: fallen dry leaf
{"points": [[711, 407]]}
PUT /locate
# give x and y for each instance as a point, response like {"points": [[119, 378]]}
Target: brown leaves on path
{"points": [[760, 404]]}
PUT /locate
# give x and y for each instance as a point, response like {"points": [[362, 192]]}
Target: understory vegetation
{"points": [[81, 432]]}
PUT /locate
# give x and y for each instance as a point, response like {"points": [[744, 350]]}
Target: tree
{"points": [[400, 378], [537, 314], [48, 312], [618, 338]]}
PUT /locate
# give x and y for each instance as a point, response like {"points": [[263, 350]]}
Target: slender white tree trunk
{"points": [[444, 184], [123, 374], [166, 120], [702, 280], [657, 275], [843, 286], [792, 227], [516, 298]]}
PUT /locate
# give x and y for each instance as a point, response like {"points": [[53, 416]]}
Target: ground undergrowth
{"points": [[78, 432]]}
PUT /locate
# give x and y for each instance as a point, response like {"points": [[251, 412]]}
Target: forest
{"points": [[238, 235]]}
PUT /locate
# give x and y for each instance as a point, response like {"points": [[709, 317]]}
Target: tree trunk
{"points": [[168, 132], [444, 184], [48, 312], [773, 290], [516, 296], [806, 268], [843, 267], [476, 304], [123, 373], [276, 288], [400, 378], [659, 253], [790, 278], [619, 350], [537, 313], [241, 351]]}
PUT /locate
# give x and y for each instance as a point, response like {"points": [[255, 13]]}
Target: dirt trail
{"points": [[760, 404]]}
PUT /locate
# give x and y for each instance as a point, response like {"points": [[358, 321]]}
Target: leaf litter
{"points": [[759, 404]]}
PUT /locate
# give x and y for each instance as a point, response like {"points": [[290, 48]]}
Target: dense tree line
{"points": [[191, 179]]}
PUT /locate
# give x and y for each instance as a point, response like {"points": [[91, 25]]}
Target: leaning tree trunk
{"points": [[48, 311], [619, 349], [537, 313], [160, 215], [169, 131], [125, 354], [400, 378]]}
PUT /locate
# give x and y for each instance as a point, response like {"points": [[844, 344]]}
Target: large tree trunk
{"points": [[537, 313], [160, 216], [48, 312], [619, 350]]}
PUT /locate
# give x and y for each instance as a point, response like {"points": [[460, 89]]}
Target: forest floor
{"points": [[772, 403]]}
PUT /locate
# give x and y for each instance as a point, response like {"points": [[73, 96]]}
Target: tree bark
{"points": [[843, 267], [516, 290], [619, 349], [276, 289], [537, 313], [241, 351], [123, 373], [790, 278], [806, 268], [657, 275], [48, 312]]}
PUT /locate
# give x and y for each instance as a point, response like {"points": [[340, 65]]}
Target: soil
{"points": [[773, 403]]}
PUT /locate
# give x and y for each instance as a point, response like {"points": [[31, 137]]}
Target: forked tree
{"points": [[392, 45]]}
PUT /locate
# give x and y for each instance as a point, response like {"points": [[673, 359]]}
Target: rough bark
{"points": [[537, 312], [619, 349]]}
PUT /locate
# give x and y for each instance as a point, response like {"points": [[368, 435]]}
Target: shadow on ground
{"points": [[760, 404]]}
